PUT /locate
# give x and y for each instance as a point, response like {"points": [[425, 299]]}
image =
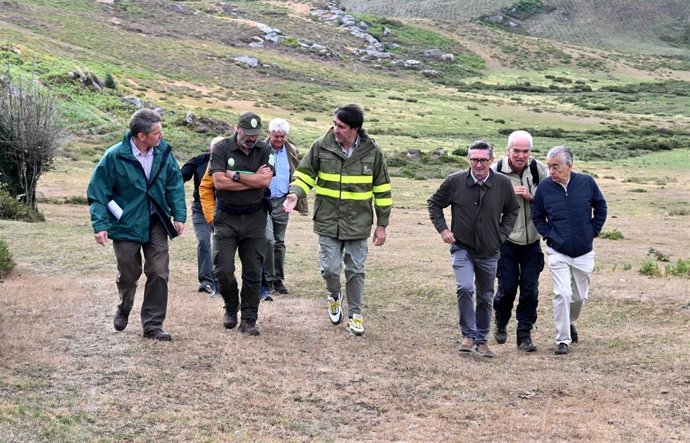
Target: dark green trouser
{"points": [[245, 234], [128, 255]]}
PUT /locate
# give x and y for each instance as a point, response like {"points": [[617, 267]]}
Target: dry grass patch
{"points": [[66, 375]]}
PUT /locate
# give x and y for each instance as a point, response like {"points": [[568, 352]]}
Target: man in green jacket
{"points": [[133, 192], [349, 172]]}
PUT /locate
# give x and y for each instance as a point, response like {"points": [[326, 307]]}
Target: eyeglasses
{"points": [[482, 161]]}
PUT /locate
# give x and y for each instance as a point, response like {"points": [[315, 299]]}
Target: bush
{"points": [[109, 81], [6, 262], [681, 268], [13, 209], [650, 268], [613, 234]]}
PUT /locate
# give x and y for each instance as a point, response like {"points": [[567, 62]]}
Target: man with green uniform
{"points": [[242, 168], [348, 170]]}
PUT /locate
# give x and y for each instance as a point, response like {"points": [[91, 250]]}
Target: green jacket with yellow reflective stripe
{"points": [[345, 187]]}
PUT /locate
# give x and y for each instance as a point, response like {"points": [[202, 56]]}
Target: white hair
{"points": [[519, 134], [278, 124]]}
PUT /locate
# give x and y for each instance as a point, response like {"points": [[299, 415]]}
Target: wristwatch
{"points": [[236, 177]]}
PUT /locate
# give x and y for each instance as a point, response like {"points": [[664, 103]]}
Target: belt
{"points": [[240, 210]]}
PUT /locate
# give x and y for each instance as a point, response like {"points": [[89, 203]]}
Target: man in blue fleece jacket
{"points": [[568, 210]]}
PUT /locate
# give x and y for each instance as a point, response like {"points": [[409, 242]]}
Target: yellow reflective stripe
{"points": [[305, 178], [348, 179], [383, 202], [343, 195], [302, 185], [329, 177], [382, 188]]}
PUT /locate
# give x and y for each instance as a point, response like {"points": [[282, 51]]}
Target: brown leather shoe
{"points": [[467, 344], [280, 287], [484, 350], [158, 334]]}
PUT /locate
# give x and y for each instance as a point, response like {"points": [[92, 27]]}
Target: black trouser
{"points": [[245, 234], [128, 255], [519, 266]]}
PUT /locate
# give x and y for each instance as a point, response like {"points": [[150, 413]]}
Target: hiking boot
{"points": [[335, 309], [158, 334], [265, 294], [484, 350], [248, 326], [230, 320], [356, 324], [467, 344], [280, 287], [120, 321], [573, 334], [500, 335], [561, 349], [527, 345]]}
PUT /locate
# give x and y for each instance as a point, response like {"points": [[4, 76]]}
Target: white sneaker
{"points": [[335, 309], [356, 324]]}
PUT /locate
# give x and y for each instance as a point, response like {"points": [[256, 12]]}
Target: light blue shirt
{"points": [[146, 161], [280, 183]]}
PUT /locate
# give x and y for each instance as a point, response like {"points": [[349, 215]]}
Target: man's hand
{"points": [[101, 237], [523, 191], [447, 236], [179, 227], [379, 236], [265, 170], [290, 203]]}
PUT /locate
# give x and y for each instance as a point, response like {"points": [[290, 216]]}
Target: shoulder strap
{"points": [[534, 170], [499, 165]]}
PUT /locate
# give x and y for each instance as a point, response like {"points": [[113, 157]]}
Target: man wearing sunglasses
{"points": [[483, 210]]}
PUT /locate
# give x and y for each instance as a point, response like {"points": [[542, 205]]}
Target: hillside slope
{"points": [[644, 27]]}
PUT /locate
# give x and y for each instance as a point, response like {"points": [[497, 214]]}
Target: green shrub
{"points": [[627, 266], [613, 234], [650, 268], [309, 118], [6, 262], [109, 81], [13, 209], [681, 268], [681, 211]]}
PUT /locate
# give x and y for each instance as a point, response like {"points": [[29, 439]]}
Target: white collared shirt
{"points": [[146, 160]]}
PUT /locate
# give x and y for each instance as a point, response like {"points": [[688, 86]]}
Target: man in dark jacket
{"points": [[350, 175], [483, 210], [133, 192], [286, 161], [195, 169], [568, 210]]}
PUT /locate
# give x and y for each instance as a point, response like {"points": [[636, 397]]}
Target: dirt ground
{"points": [[66, 375]]}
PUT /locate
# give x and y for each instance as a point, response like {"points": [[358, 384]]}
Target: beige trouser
{"points": [[571, 279]]}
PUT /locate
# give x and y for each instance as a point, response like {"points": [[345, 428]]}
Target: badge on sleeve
{"points": [[272, 160], [231, 163]]}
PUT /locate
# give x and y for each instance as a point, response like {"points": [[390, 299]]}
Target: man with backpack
{"points": [[521, 259]]}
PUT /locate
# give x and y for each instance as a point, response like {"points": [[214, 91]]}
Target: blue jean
{"points": [[474, 322], [518, 267], [276, 225], [204, 255]]}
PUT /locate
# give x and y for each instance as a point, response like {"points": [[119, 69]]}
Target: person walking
{"points": [[483, 211], [133, 192], [195, 169], [569, 211], [521, 259], [349, 172], [286, 161], [241, 167]]}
